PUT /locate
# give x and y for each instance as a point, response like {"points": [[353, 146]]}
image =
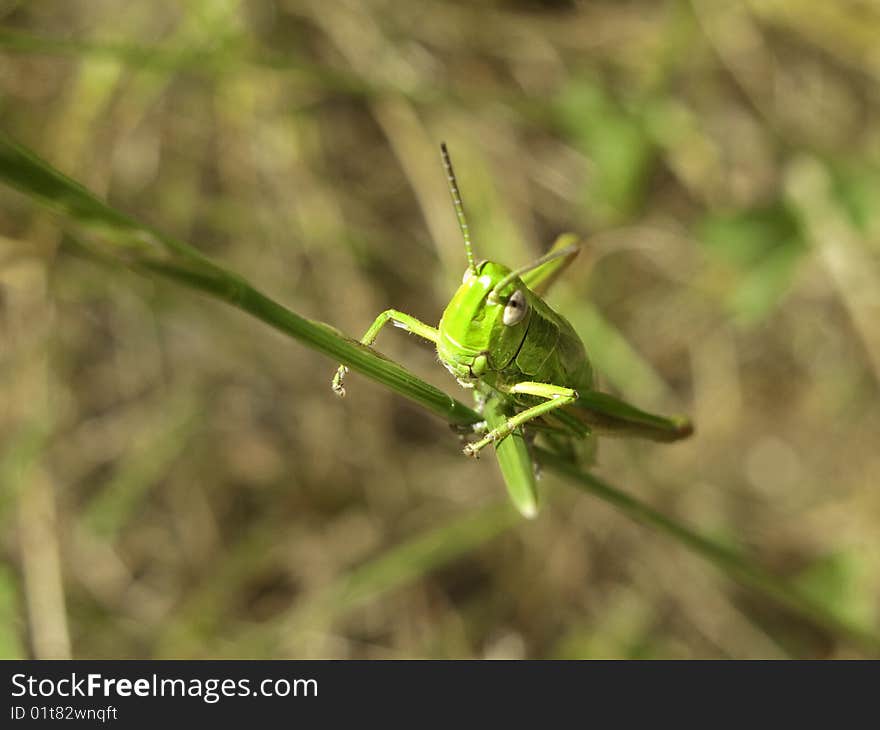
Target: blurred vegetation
{"points": [[178, 480]]}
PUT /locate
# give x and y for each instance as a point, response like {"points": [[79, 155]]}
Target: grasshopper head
{"points": [[485, 324], [482, 329]]}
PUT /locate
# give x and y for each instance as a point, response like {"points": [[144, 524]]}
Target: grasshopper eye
{"points": [[515, 309], [468, 273]]}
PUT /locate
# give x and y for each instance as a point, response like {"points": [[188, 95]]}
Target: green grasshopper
{"points": [[527, 366]]}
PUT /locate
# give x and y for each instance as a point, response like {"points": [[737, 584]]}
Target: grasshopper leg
{"points": [[557, 397], [399, 319]]}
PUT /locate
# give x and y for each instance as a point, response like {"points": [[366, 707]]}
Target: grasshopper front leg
{"points": [[404, 321], [557, 397]]}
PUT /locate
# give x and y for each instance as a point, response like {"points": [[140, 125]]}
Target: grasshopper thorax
{"points": [[483, 327]]}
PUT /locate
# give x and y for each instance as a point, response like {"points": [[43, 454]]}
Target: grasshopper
{"points": [[527, 366]]}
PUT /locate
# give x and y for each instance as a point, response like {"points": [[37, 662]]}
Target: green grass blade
{"points": [[514, 461], [112, 235], [392, 569], [419, 556], [730, 561]]}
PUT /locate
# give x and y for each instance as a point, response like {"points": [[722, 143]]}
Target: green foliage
{"points": [[857, 188], [838, 580], [764, 245], [615, 140]]}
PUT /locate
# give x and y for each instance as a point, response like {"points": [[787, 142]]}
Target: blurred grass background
{"points": [[179, 481]]}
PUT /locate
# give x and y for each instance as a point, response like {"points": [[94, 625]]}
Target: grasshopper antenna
{"points": [[547, 257], [459, 208]]}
